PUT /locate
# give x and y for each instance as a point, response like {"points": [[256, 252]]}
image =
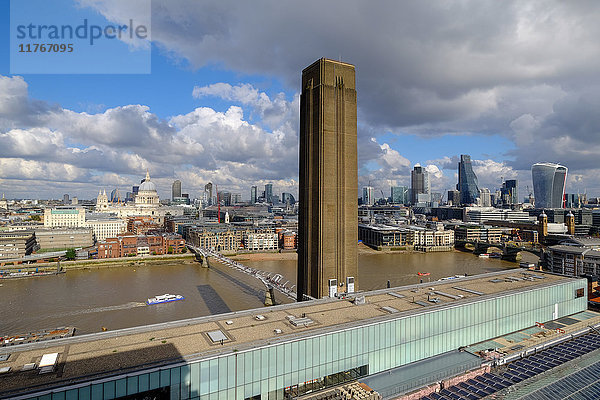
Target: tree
{"points": [[35, 218], [184, 249], [70, 254], [170, 250]]}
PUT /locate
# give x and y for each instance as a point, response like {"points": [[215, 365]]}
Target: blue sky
{"points": [[221, 101]]}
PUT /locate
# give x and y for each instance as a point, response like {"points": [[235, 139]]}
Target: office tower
{"points": [[114, 195], [66, 199], [236, 198], [253, 195], [268, 192], [419, 183], [135, 190], [176, 189], [288, 198], [368, 193], [225, 198], [510, 192], [467, 181], [485, 197], [549, 184], [328, 190], [399, 194], [74, 201], [208, 188], [453, 197]]}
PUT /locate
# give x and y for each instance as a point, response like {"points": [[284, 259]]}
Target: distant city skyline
{"points": [[223, 114]]}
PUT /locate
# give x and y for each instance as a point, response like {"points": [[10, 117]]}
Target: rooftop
{"points": [[114, 352]]}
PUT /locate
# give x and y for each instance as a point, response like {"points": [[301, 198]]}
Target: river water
{"points": [[115, 298]]}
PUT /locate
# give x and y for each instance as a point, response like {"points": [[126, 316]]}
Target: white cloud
{"points": [[113, 147]]}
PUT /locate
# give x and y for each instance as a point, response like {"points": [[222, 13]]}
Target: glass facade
{"points": [[548, 184], [467, 181], [305, 363]]}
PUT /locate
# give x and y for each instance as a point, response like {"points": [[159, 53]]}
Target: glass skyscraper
{"points": [[549, 184], [399, 195], [419, 183], [467, 181]]}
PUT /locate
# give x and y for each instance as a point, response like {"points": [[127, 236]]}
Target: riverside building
{"points": [[288, 350]]}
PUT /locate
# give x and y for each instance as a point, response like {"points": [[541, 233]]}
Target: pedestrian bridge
{"points": [[272, 281]]}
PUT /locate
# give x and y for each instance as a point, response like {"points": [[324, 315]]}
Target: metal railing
{"points": [[269, 279]]}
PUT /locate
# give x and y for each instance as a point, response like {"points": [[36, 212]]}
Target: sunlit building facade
{"points": [[549, 184]]}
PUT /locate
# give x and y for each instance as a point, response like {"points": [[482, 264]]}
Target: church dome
{"points": [[148, 185]]}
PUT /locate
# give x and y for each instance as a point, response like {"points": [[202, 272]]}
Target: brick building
{"points": [[128, 244]]}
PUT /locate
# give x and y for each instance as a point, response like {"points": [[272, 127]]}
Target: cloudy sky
{"points": [[510, 83]]}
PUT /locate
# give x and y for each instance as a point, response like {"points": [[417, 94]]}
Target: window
{"points": [[579, 293]]}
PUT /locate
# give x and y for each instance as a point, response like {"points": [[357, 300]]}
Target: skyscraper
{"points": [[454, 197], [269, 192], [510, 192], [485, 197], [419, 183], [399, 195], [368, 195], [288, 198], [549, 184], [176, 189], [328, 190], [253, 195], [208, 189], [467, 181]]}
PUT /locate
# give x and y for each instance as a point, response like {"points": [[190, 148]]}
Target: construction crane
{"points": [[117, 197]]}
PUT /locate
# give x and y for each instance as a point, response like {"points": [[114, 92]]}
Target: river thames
{"points": [[114, 298]]}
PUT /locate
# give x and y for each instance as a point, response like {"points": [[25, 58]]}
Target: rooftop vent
{"points": [[451, 296], [277, 330], [229, 322], [421, 303], [391, 310], [48, 362], [359, 300], [4, 357], [28, 367], [217, 336], [468, 290], [260, 317], [398, 295], [302, 321], [497, 280], [4, 370]]}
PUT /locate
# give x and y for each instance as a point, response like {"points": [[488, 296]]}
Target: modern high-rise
{"points": [[399, 195], [453, 197], [328, 190], [510, 192], [288, 198], [467, 181], [208, 189], [253, 194], [419, 183], [549, 184], [269, 192], [368, 195], [176, 189], [114, 195], [485, 197]]}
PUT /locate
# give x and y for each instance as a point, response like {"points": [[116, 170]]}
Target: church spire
{"points": [[147, 175]]}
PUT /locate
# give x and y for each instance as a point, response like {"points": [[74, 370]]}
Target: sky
{"points": [[510, 83]]}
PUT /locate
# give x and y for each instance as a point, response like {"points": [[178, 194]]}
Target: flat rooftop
{"points": [[110, 353]]}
